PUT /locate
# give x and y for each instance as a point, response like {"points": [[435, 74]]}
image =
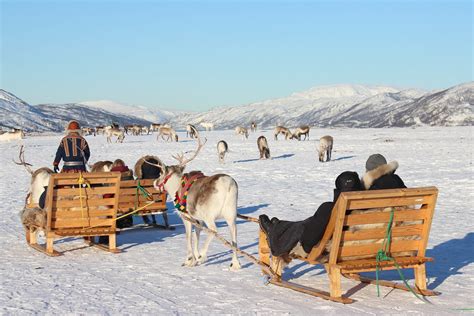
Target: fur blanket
{"points": [[33, 217]]}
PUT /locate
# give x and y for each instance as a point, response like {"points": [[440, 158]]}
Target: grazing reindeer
{"points": [[302, 130], [253, 127], [263, 147], [222, 149], [325, 147], [281, 130], [16, 134], [239, 130], [208, 198], [168, 131], [191, 131], [207, 125], [100, 129], [114, 131]]}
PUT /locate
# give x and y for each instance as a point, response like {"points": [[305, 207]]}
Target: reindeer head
{"points": [[170, 176]]}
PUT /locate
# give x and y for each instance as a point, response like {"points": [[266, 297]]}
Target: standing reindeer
{"points": [[222, 149], [263, 147], [168, 131], [208, 198], [253, 127], [114, 131], [191, 131], [302, 130], [281, 130], [207, 125], [16, 134], [325, 147], [239, 130]]}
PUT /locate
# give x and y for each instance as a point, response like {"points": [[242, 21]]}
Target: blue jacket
{"points": [[74, 151]]}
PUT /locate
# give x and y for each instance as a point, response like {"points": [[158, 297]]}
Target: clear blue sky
{"points": [[201, 54]]}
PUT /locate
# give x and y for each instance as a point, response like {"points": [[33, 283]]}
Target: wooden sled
{"points": [[353, 243], [130, 199], [67, 216]]}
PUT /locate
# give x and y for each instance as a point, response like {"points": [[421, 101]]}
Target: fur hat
{"points": [[374, 161], [73, 127]]}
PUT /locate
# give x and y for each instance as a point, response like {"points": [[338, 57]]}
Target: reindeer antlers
{"points": [[180, 157], [22, 162]]}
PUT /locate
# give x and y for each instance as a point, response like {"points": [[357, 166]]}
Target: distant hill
{"points": [[16, 113], [325, 106], [349, 106]]}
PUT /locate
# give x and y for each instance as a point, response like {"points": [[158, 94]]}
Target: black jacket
{"points": [[383, 177]]}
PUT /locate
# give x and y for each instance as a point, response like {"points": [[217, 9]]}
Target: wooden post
{"points": [[32, 236], [420, 276], [263, 248], [112, 242], [334, 274], [49, 245]]}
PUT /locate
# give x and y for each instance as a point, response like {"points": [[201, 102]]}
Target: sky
{"points": [[195, 55]]}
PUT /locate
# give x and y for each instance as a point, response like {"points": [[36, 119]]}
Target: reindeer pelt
{"points": [[140, 164], [33, 217], [372, 175]]}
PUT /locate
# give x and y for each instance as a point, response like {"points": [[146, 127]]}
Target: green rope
{"points": [[141, 190], [383, 255]]}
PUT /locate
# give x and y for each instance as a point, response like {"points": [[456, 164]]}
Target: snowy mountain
{"points": [[349, 106], [156, 116], [16, 113]]}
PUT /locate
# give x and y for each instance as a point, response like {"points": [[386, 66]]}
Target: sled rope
{"points": [[252, 258], [383, 255], [81, 181], [140, 189]]}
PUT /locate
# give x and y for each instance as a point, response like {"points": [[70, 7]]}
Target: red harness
{"points": [[188, 179], [161, 186]]}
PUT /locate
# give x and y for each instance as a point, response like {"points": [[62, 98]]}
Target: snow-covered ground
{"points": [[147, 278]]}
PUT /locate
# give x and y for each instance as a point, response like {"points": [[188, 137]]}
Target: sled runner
{"points": [[356, 233], [135, 194], [80, 204]]}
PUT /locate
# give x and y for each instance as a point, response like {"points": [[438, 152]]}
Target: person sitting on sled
{"points": [[73, 150]]}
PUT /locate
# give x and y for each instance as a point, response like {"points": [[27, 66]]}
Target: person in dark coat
{"points": [[144, 170], [73, 150], [380, 174], [286, 236]]}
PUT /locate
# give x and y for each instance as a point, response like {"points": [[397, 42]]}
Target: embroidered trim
{"points": [[181, 196]]}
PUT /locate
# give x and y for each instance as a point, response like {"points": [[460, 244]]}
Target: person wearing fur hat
{"points": [[285, 237], [73, 150], [381, 175]]}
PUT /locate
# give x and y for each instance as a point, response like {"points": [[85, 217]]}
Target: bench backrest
{"points": [[131, 199], [68, 216], [359, 221]]}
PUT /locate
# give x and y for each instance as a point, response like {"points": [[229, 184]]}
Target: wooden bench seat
{"points": [[132, 198], [67, 216], [356, 232]]}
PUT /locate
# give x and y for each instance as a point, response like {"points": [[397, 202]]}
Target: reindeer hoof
{"points": [[201, 259], [235, 266], [189, 262]]}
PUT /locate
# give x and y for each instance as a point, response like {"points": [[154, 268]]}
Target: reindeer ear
{"points": [[181, 168]]}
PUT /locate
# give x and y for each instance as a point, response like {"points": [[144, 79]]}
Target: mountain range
{"points": [[323, 106]]}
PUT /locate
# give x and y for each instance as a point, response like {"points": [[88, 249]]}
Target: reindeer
{"points": [[100, 129], [207, 125], [302, 130], [113, 131], [155, 127], [145, 130], [208, 198], [325, 147], [191, 131], [222, 149], [253, 127], [239, 130], [263, 147], [168, 131], [281, 130], [16, 134]]}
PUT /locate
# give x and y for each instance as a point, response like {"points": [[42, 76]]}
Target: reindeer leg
{"points": [[212, 226], [235, 264], [197, 234], [190, 258]]}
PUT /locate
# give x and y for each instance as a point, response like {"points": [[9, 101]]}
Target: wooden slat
{"points": [[427, 224], [72, 182], [155, 206], [80, 223], [133, 191], [384, 217], [367, 263], [65, 214], [97, 231], [400, 231], [133, 183], [396, 246], [133, 198], [387, 202], [64, 192], [363, 195], [85, 202]]}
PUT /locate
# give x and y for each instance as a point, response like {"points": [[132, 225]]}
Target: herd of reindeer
{"points": [[208, 199]]}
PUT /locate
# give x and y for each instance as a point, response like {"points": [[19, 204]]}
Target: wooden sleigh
{"points": [[354, 244], [133, 198], [79, 211]]}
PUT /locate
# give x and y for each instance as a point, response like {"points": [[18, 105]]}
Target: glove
{"points": [[56, 169]]}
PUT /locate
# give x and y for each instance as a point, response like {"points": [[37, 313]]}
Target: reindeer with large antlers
{"points": [[203, 198]]}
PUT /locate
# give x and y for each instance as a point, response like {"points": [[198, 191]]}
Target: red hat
{"points": [[73, 126]]}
